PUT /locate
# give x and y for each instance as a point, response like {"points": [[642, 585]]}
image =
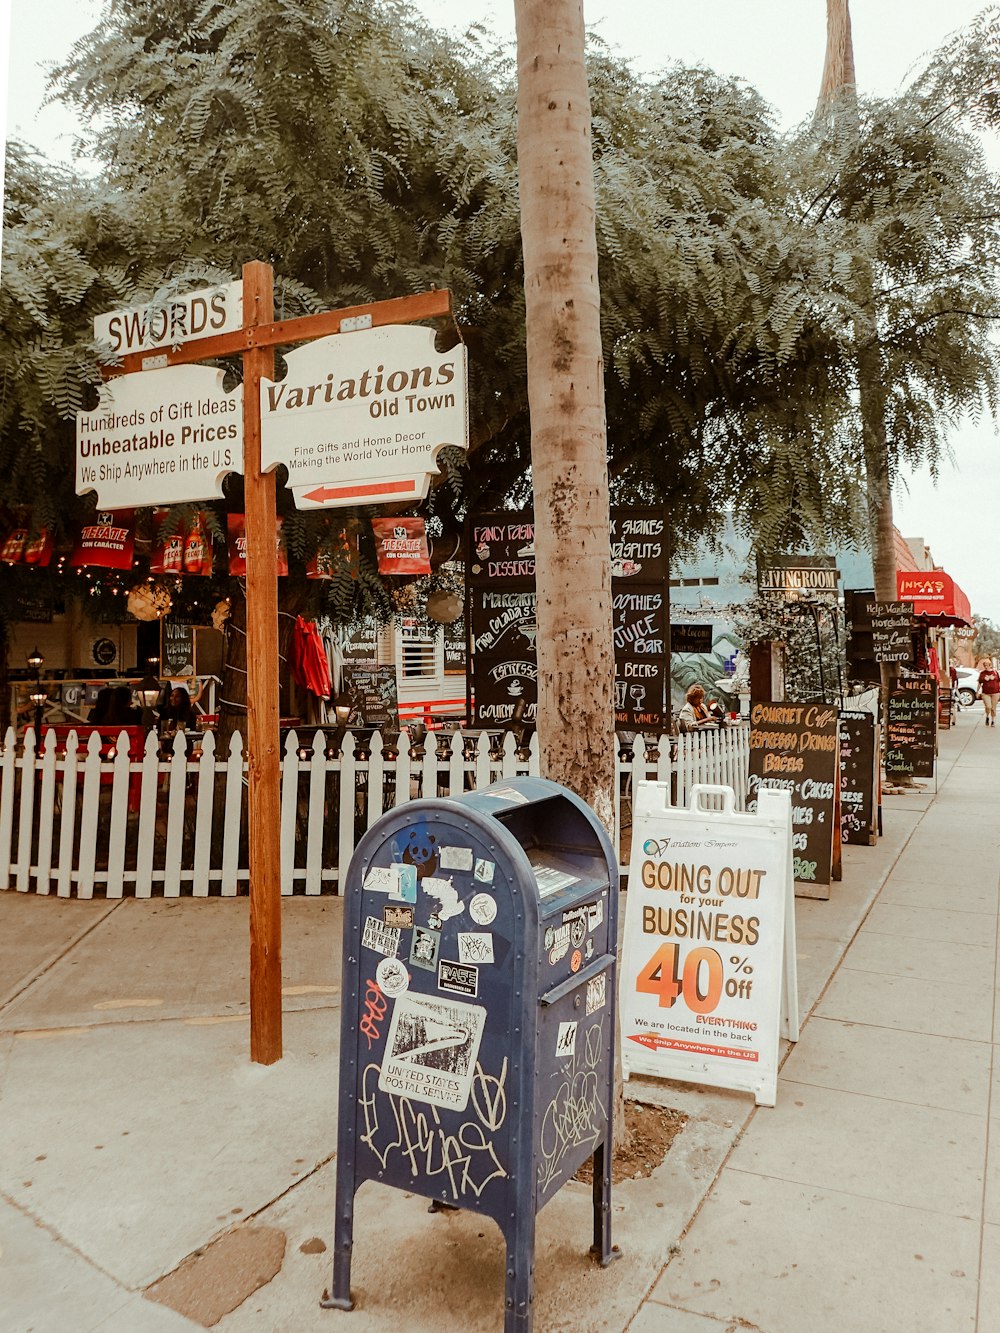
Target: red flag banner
{"points": [[19, 547], [238, 546], [107, 542], [401, 544]]}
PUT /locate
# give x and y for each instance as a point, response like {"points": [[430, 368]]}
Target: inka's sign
{"points": [[796, 574], [160, 437], [178, 319], [361, 416], [796, 748]]}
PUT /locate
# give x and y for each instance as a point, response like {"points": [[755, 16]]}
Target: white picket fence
{"points": [[74, 824]]}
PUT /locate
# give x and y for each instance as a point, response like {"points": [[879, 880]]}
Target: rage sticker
{"points": [[458, 977]]}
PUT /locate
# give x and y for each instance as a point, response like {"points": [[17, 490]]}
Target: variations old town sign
{"points": [[359, 418]]}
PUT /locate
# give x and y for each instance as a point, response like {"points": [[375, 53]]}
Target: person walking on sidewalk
{"points": [[989, 684]]}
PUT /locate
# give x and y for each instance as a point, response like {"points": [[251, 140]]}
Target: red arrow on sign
{"points": [[323, 494]]}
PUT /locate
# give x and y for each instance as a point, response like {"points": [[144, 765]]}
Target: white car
{"points": [[967, 686]]}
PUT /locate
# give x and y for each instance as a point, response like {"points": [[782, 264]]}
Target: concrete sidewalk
{"points": [[135, 1133]]}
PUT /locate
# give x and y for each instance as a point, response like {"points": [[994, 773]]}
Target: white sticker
{"points": [[380, 937], [446, 894], [456, 858], [392, 977], [483, 909], [475, 948], [431, 1050], [484, 871], [382, 879], [597, 993], [566, 1041], [508, 794]]}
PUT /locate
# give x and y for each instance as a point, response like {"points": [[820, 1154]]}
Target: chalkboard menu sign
{"points": [[372, 691], [690, 638], [176, 649], [911, 728], [796, 748], [501, 577], [892, 639], [858, 778], [454, 647], [359, 643]]}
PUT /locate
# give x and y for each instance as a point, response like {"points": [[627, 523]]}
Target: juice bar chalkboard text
{"points": [[911, 728]]}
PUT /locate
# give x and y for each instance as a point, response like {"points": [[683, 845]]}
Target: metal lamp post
{"points": [[38, 696]]}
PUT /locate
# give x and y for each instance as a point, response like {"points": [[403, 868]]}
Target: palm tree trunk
{"points": [[566, 404]]}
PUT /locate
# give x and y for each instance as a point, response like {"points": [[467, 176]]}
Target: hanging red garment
{"points": [[307, 659]]}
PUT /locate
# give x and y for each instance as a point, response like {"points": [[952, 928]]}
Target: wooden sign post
{"points": [[255, 342]]}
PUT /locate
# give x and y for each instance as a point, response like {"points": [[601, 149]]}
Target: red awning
{"points": [[934, 594]]}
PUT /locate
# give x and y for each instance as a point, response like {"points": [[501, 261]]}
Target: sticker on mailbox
{"points": [[483, 909], [456, 858], [484, 871], [400, 918], [566, 1041], [424, 949], [475, 946], [597, 993], [392, 977], [431, 1050], [380, 937], [462, 978]]}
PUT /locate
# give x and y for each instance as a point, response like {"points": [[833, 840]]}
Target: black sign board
{"points": [[858, 778], [454, 648], [502, 549], [176, 649], [638, 546], [360, 643], [639, 618], [372, 691], [500, 683], [690, 638], [911, 728], [503, 621], [501, 576], [892, 638], [796, 747]]}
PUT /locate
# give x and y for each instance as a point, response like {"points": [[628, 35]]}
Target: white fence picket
{"points": [[83, 813]]}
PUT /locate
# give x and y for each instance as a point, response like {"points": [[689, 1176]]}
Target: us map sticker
{"points": [[431, 1050]]}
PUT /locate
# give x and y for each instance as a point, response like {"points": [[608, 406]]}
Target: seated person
{"points": [[98, 715], [177, 711], [120, 711], [696, 715]]}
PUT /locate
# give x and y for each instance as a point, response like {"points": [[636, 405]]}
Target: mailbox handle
{"points": [[566, 987]]}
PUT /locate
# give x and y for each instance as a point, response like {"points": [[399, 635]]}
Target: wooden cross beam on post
{"points": [[255, 342]]}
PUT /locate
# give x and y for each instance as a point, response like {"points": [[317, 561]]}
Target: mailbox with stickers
{"points": [[477, 1033]]}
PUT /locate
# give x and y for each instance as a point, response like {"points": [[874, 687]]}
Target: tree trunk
{"points": [[566, 405]]}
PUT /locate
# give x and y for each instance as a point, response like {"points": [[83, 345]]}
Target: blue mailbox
{"points": [[477, 1029]]}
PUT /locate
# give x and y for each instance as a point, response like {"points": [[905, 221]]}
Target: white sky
{"points": [[778, 46]]}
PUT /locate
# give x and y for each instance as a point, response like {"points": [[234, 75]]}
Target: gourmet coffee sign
{"points": [[361, 416], [796, 748]]}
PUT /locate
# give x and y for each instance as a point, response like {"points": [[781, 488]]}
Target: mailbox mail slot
{"points": [[479, 987]]}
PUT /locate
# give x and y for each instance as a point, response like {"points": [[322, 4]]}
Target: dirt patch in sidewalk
{"points": [[651, 1131], [214, 1280]]}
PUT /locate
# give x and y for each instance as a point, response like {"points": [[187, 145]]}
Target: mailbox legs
{"points": [[519, 1286], [602, 1205], [339, 1297]]}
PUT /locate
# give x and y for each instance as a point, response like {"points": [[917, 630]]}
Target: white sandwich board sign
{"points": [[708, 964], [360, 416], [160, 437]]}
